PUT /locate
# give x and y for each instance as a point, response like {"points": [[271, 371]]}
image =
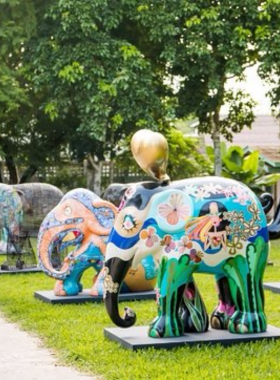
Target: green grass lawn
{"points": [[75, 332]]}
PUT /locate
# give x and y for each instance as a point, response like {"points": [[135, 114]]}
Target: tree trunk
{"points": [[28, 174], [93, 174], [13, 174], [1, 172], [216, 138]]}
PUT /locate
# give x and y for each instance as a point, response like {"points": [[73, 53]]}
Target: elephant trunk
{"points": [[45, 246], [115, 271]]}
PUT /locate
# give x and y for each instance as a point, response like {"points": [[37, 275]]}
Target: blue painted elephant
{"points": [[199, 225], [83, 221]]}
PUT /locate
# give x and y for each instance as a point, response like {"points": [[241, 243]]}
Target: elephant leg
{"points": [[172, 279], [71, 285], [220, 316], [58, 289], [245, 280], [192, 310]]}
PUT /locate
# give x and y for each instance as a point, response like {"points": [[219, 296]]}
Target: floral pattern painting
{"points": [[174, 210], [204, 225]]}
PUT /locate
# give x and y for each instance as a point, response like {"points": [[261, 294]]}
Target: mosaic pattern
{"points": [[81, 223], [22, 209]]}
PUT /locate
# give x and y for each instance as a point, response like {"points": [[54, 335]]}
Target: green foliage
{"points": [[75, 333], [89, 73], [249, 168], [17, 23], [240, 113], [185, 156], [268, 42], [93, 74], [67, 179], [203, 44]]}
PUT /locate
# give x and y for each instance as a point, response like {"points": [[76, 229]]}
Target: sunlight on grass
{"points": [[76, 333]]}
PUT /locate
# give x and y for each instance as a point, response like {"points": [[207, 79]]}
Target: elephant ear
{"points": [[105, 212], [26, 206], [172, 209]]}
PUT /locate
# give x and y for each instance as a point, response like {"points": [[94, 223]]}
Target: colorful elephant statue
{"points": [[83, 221], [274, 224], [200, 225], [22, 210]]}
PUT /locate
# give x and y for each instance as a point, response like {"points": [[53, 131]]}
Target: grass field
{"points": [[75, 333]]}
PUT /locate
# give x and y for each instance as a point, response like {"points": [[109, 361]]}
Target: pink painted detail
{"points": [[168, 243], [227, 191], [157, 295], [189, 293], [175, 210], [127, 195], [184, 244], [241, 196], [150, 237], [225, 308], [121, 205]]}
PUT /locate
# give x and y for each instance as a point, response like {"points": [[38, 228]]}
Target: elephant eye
{"points": [[67, 211], [129, 223]]}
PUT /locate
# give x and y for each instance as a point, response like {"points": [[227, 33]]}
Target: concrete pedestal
{"points": [[49, 297], [135, 338], [273, 286], [17, 271]]}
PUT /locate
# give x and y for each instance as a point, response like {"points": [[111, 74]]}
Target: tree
{"points": [[202, 44], [268, 40], [91, 75], [17, 23], [185, 157], [100, 70]]}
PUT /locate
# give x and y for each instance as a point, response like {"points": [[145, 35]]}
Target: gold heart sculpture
{"points": [[150, 150]]}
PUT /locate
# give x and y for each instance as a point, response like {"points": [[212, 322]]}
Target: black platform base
{"points": [[135, 338], [273, 286], [17, 271], [49, 297]]}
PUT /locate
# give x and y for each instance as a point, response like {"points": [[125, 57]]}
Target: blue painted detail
{"points": [[104, 215], [71, 284], [91, 253], [263, 233], [149, 265], [126, 243], [51, 223]]}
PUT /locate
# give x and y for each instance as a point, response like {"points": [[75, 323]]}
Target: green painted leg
{"points": [[245, 279], [172, 279]]}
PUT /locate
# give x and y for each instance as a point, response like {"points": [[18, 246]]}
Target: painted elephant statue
{"points": [[274, 224], [22, 209], [115, 192], [83, 221], [200, 225]]}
